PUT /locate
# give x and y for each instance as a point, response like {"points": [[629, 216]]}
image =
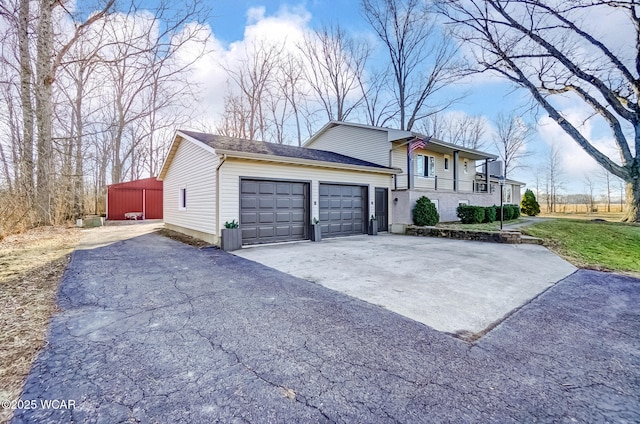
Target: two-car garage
{"points": [[278, 210], [274, 192]]}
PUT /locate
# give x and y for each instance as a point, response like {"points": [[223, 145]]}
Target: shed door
{"points": [[342, 210], [273, 211]]}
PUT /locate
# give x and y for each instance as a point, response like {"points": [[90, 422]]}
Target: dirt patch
{"points": [[191, 241], [31, 266]]}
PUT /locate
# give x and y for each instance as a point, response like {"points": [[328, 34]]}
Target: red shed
{"points": [[141, 196]]}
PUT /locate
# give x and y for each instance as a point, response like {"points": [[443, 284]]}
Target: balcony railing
{"points": [[437, 183]]}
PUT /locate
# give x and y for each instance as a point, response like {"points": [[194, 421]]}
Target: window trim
{"points": [[446, 165], [465, 166]]}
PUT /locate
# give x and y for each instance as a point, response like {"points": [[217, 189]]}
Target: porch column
{"points": [[486, 174], [456, 157]]}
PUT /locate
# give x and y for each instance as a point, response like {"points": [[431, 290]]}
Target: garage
{"points": [[342, 209], [273, 211]]}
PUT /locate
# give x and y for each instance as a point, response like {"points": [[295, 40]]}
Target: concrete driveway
{"points": [[454, 286], [155, 331]]}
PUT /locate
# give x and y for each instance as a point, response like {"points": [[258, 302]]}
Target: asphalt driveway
{"points": [[152, 330], [460, 287]]}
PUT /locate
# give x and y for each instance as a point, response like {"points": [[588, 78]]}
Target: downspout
{"points": [[486, 175], [456, 158], [224, 158]]}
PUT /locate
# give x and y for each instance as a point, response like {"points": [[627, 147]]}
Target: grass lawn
{"points": [[598, 245]]}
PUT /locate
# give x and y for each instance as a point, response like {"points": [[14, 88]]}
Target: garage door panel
{"points": [[265, 232], [266, 203], [249, 218], [297, 203], [283, 216], [283, 203], [273, 211], [267, 188], [283, 189], [283, 231], [342, 208], [249, 203], [266, 217], [249, 187], [298, 230], [249, 233]]}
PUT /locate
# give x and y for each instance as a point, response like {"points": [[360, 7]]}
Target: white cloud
{"points": [[576, 163]]}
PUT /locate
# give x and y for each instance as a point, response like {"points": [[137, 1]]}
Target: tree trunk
{"points": [[632, 209], [26, 158], [44, 113]]}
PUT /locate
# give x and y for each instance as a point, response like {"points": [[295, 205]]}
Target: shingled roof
{"points": [[220, 142]]}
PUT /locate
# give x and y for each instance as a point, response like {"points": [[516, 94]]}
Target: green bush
{"points": [[516, 211], [489, 214], [510, 212], [529, 205], [470, 214], [425, 212]]}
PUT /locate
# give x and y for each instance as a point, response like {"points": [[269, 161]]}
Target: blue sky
{"points": [[488, 96]]}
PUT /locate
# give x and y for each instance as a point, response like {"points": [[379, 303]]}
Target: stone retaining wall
{"points": [[511, 237]]}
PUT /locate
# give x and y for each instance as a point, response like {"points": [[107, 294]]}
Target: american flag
{"points": [[418, 143]]}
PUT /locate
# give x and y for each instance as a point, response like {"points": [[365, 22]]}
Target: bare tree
{"points": [[511, 139], [421, 55], [590, 188], [553, 179], [334, 66], [607, 178], [378, 106], [254, 77], [550, 50], [289, 80], [457, 128]]}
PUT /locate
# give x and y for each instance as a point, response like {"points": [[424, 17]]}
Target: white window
{"points": [[463, 202], [465, 166], [446, 163], [507, 194], [182, 200], [425, 166]]}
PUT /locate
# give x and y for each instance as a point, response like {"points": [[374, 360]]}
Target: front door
{"points": [[382, 211]]}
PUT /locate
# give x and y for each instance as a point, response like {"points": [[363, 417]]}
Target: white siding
{"points": [[234, 169], [362, 143], [193, 168]]}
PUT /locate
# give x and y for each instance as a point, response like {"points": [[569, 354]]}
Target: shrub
{"points": [[470, 214], [510, 212], [529, 204], [425, 212], [516, 211], [489, 214]]}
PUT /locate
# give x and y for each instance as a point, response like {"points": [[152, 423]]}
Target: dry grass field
{"points": [[31, 265]]}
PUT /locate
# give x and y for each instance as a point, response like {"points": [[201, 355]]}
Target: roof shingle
{"points": [[261, 147]]}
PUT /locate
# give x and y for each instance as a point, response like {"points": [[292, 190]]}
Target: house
{"points": [[274, 191], [342, 176], [445, 173]]}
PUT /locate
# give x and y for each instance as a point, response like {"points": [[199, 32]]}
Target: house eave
{"points": [[299, 161]]}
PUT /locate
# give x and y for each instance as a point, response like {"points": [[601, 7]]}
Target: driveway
{"points": [[459, 287], [152, 330]]}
